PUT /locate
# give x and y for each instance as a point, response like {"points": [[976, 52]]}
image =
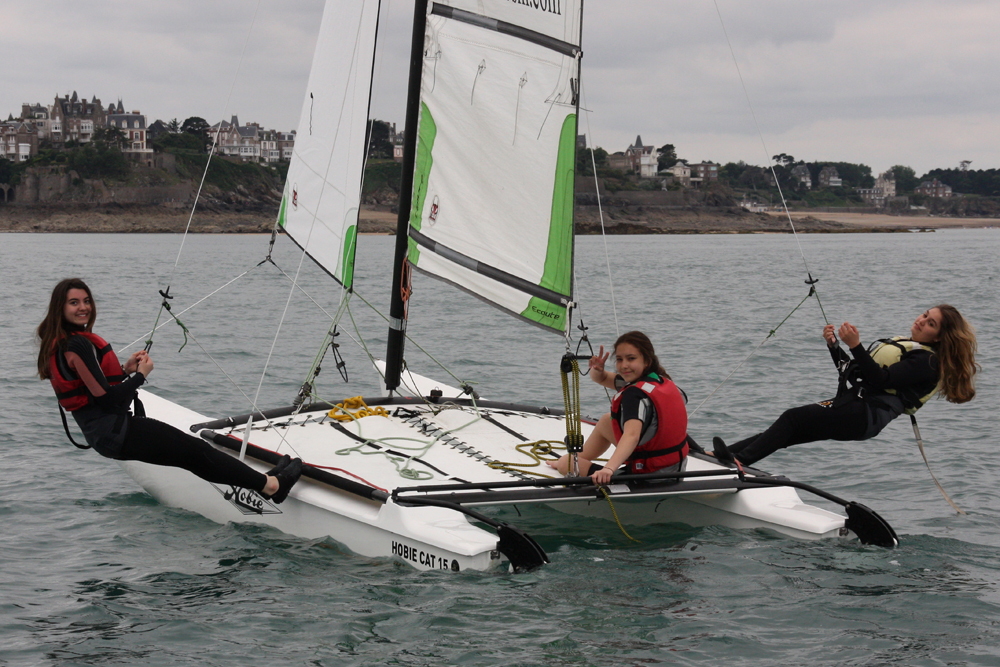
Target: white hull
{"points": [[437, 537]]}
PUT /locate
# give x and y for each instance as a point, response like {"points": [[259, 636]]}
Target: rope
{"points": [[614, 513], [359, 407], [920, 444], [812, 292], [571, 399], [767, 157], [533, 450], [600, 211], [208, 162]]}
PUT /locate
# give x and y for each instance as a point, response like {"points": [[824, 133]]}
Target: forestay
{"points": [[319, 209], [492, 208]]}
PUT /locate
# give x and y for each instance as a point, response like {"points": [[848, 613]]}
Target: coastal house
{"points": [[619, 161], [155, 129], [75, 119], [829, 178], [38, 116], [237, 141], [269, 151], [681, 173], [133, 125], [884, 190], [933, 188], [642, 159], [286, 144], [704, 173], [801, 174], [18, 141]]}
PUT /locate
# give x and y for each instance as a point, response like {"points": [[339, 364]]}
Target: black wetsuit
{"points": [[110, 429], [848, 417]]}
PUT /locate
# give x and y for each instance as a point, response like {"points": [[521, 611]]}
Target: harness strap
{"points": [[62, 414], [650, 454]]}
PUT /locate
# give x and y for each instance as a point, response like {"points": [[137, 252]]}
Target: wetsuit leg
{"points": [[808, 423], [152, 441]]}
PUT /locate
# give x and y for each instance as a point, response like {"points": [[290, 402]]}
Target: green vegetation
{"points": [[984, 182], [377, 140], [382, 175], [227, 175]]}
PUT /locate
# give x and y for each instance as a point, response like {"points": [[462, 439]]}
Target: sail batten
{"points": [[492, 208], [507, 28]]}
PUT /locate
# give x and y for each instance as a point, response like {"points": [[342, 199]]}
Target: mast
{"points": [[400, 278]]}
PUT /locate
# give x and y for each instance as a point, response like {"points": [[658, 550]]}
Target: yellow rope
{"points": [[615, 513], [360, 410], [533, 450]]}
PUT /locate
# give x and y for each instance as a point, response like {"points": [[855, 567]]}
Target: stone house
{"points": [[829, 178], [75, 119], [884, 190], [704, 173], [238, 141], [286, 144], [18, 141], [802, 175], [269, 151], [933, 188], [38, 116], [619, 161]]}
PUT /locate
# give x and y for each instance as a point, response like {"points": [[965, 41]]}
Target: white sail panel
{"points": [[493, 183], [319, 210]]}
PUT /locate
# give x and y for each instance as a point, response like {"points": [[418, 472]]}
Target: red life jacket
{"points": [[73, 394], [669, 445]]}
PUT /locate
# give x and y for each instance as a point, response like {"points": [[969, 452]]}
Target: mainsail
{"points": [[492, 207], [319, 209]]}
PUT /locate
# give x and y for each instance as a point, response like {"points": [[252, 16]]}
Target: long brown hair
{"points": [[641, 342], [54, 328], [956, 353]]}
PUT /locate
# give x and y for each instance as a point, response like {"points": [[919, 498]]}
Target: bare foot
{"points": [[271, 487]]}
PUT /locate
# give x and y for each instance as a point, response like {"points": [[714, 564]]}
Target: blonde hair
{"points": [[53, 328], [956, 354]]}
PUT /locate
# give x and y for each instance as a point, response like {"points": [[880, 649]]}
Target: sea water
{"points": [[93, 571]]}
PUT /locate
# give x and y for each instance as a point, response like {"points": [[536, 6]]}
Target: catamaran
{"points": [[486, 205]]}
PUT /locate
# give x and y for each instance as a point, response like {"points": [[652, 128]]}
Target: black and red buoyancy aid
{"points": [[73, 394], [669, 445]]}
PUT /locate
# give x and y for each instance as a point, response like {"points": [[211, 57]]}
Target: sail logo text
{"points": [[427, 559], [551, 6], [546, 313]]}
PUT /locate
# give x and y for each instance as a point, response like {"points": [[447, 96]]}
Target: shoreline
{"points": [[381, 220]]}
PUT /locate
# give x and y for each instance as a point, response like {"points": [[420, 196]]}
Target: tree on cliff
{"points": [[174, 126], [906, 178], [584, 162], [666, 157], [379, 144], [198, 127], [110, 136], [195, 125]]}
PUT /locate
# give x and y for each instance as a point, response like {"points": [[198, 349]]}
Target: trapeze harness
{"points": [[885, 352], [668, 444], [72, 391]]}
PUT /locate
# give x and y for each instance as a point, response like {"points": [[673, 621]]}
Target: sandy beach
{"points": [[891, 221]]}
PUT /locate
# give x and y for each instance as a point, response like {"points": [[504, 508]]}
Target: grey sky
{"points": [[893, 82]]}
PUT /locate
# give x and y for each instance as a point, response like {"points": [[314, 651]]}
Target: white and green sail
{"points": [[492, 208], [319, 209]]}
